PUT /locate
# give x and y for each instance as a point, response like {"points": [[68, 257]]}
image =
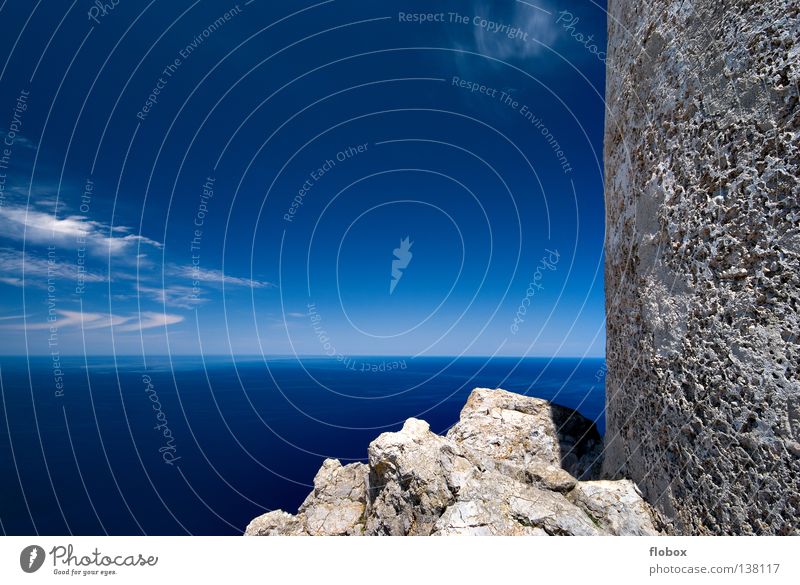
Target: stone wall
{"points": [[702, 149]]}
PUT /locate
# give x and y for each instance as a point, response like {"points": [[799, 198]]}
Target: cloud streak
{"points": [[149, 320], [19, 140], [26, 224], [538, 24], [188, 296], [26, 269], [216, 277], [184, 297], [93, 320]]}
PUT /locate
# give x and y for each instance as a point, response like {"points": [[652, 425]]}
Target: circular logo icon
{"points": [[31, 558]]}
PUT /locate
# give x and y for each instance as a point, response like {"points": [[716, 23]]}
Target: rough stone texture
{"points": [[490, 503], [498, 471], [702, 150], [616, 506], [335, 507], [499, 428], [413, 475], [276, 523], [338, 503]]}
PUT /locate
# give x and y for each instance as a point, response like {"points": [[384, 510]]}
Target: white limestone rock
{"points": [[616, 506], [335, 507], [413, 476], [499, 471], [500, 429]]}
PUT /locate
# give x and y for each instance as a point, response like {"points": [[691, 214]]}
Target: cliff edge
{"points": [[512, 465]]}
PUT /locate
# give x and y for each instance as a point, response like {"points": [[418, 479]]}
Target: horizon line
{"points": [[294, 356]]}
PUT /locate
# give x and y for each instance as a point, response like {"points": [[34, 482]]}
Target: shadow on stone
{"points": [[511, 465], [580, 443]]}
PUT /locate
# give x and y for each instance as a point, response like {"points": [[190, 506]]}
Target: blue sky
{"points": [[184, 177]]}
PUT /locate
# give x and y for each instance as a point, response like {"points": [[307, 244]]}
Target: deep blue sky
{"points": [[259, 104]]}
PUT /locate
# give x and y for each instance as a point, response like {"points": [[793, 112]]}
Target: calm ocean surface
{"points": [[234, 439]]}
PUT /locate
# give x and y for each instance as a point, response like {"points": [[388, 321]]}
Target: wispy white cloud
{"points": [[93, 320], [19, 141], [38, 227], [533, 23], [37, 269], [174, 293], [217, 277], [149, 320], [85, 320], [184, 297], [12, 317], [12, 281]]}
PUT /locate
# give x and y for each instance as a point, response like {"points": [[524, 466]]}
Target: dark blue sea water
{"points": [[80, 452]]}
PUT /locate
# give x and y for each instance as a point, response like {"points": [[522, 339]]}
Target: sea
{"points": [[201, 445]]}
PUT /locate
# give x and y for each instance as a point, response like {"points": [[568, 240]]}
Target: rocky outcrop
{"points": [[510, 466], [337, 505], [702, 159]]}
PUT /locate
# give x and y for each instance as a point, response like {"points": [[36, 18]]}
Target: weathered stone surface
{"points": [[492, 503], [616, 506], [498, 471], [338, 503], [500, 429], [336, 506], [702, 158], [275, 523], [413, 475], [549, 476]]}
